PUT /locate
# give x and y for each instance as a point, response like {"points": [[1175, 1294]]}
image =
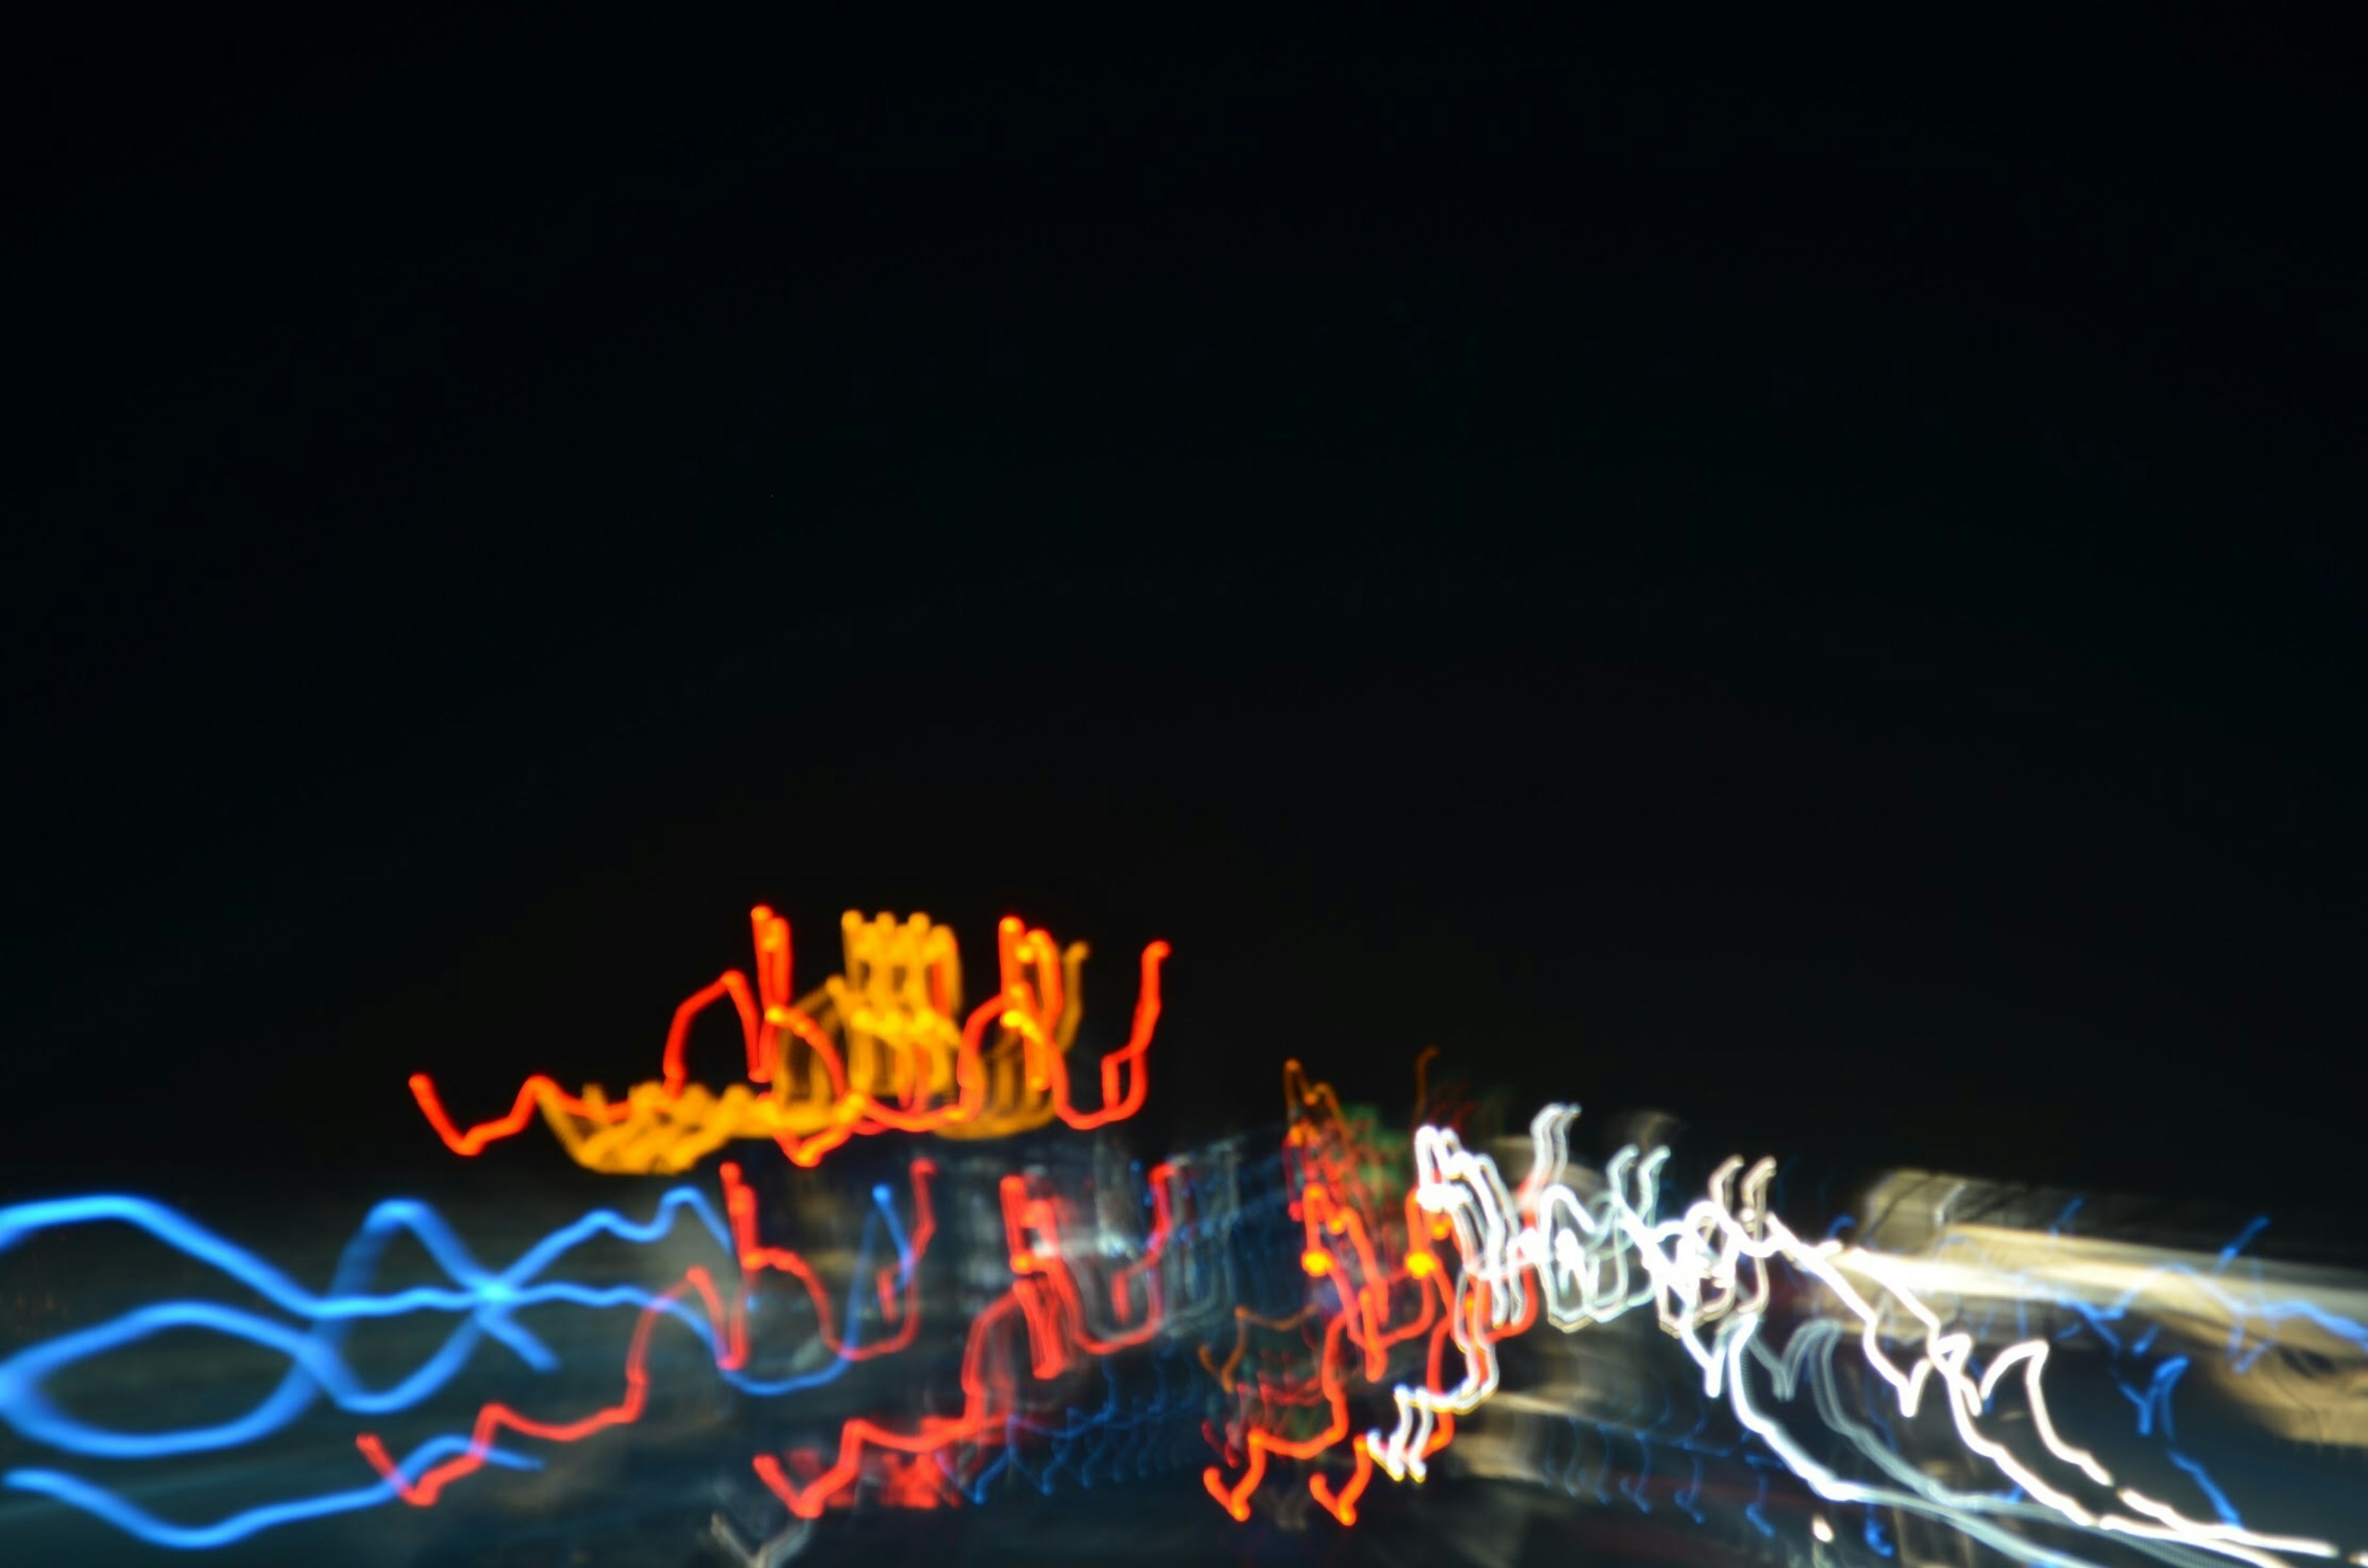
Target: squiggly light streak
{"points": [[1348, 1248], [317, 1367], [1708, 1270], [727, 1339], [882, 1054], [1050, 1309], [1085, 1439]]}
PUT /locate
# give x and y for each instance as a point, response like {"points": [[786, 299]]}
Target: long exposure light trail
{"points": [[876, 1049], [1353, 1252], [726, 1339], [881, 1052], [317, 1367], [489, 1300], [1707, 1271], [1050, 1312], [1263, 1297]]}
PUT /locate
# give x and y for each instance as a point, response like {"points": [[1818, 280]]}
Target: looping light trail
{"points": [[486, 1301], [727, 1336], [484, 1298]]}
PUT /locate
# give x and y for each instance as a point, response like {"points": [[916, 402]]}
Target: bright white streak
{"points": [[1707, 1270]]}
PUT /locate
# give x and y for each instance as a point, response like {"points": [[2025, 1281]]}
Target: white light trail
{"points": [[1579, 1261]]}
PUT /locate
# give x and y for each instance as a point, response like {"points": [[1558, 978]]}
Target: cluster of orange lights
{"points": [[1378, 1285], [876, 1048], [887, 1045]]}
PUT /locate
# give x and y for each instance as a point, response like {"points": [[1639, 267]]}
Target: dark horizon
{"points": [[1818, 598]]}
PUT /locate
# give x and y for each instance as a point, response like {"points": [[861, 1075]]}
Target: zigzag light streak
{"points": [[1708, 1271], [878, 1050], [1045, 1309], [1366, 1261], [881, 1052]]}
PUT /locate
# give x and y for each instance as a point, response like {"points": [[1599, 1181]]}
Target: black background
{"points": [[1810, 581]]}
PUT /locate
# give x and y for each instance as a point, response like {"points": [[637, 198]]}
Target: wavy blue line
{"points": [[135, 1520], [318, 1362], [317, 1367]]}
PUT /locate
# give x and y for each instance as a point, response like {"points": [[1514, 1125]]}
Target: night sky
{"points": [[1814, 583]]}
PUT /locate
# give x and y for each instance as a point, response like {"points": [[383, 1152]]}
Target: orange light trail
{"points": [[877, 1048], [873, 1049], [494, 1419], [1045, 1298], [730, 1335], [1365, 1265]]}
